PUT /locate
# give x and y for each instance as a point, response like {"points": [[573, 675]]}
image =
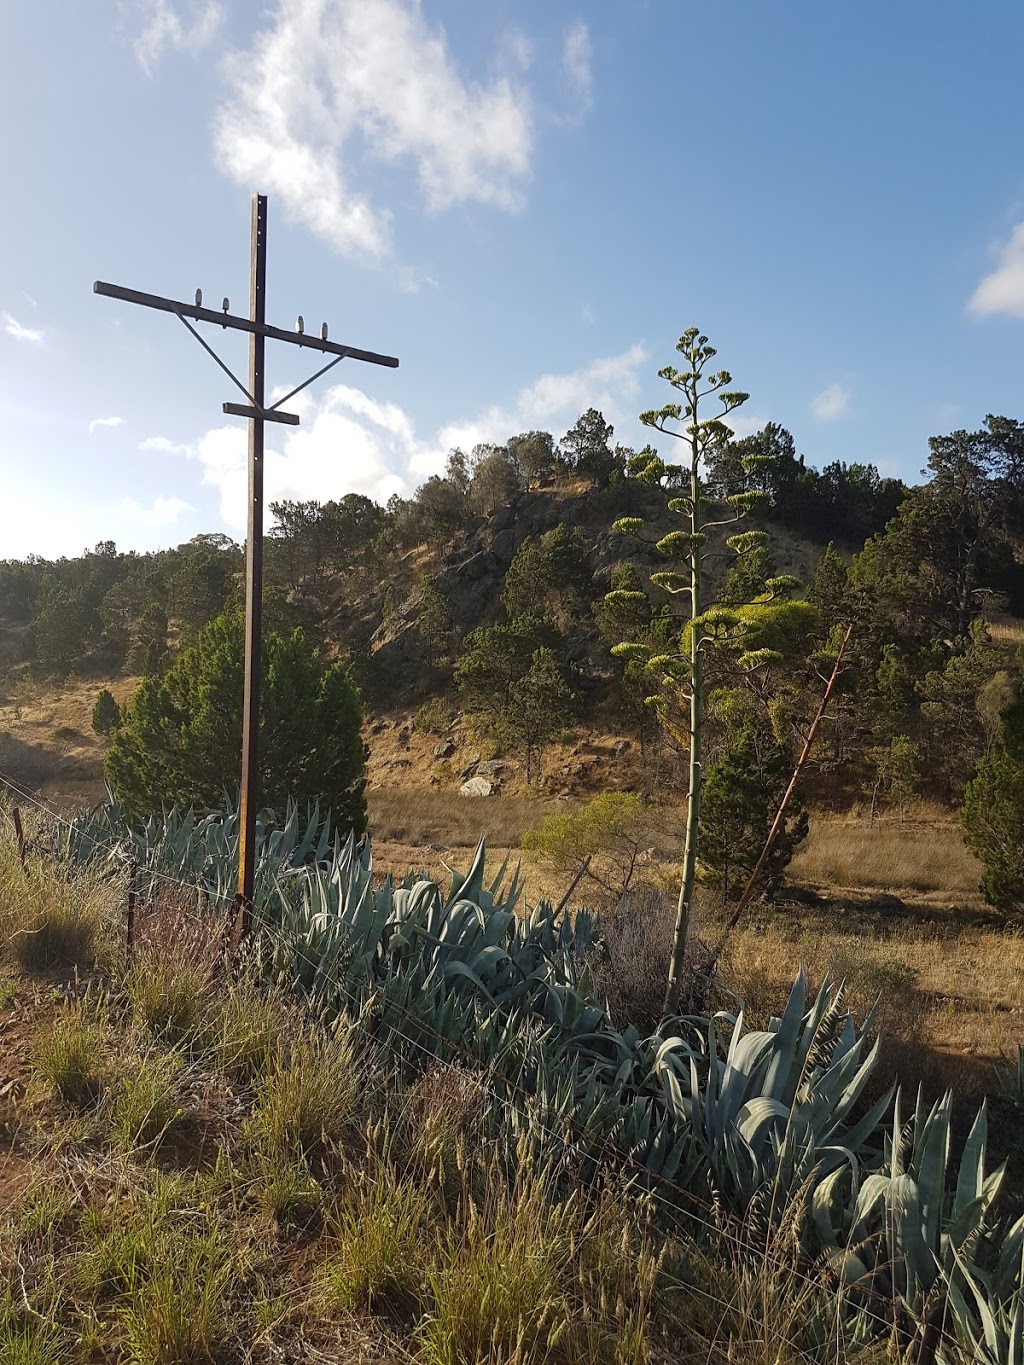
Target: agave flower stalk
{"points": [[685, 675]]}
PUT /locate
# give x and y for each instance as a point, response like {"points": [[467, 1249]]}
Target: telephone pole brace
{"points": [[258, 413]]}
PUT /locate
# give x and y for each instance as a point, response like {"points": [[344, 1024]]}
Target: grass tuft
{"points": [[145, 1106], [380, 1245], [309, 1097], [67, 1057]]}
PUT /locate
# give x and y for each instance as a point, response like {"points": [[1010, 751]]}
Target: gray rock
{"points": [[477, 786], [501, 519], [445, 749], [621, 745], [493, 768], [503, 546]]}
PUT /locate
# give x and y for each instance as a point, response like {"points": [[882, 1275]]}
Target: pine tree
{"points": [[106, 714], [180, 738], [539, 704]]}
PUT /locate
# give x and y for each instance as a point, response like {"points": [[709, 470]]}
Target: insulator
{"points": [[323, 331], [300, 326], [199, 298], [225, 303]]}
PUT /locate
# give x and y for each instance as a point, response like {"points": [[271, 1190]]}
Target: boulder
{"points": [[445, 749], [503, 546], [501, 519], [477, 786], [492, 768]]}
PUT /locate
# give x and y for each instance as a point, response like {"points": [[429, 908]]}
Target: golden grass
{"points": [[917, 855], [1007, 630]]}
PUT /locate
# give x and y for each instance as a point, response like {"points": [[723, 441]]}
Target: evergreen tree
{"points": [[180, 737], [743, 788], [993, 823], [434, 623], [539, 704], [106, 714], [494, 658]]}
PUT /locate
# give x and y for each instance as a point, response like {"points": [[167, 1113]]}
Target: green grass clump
{"points": [[145, 1105], [67, 1057], [309, 1097], [500, 1290], [47, 920], [247, 1034], [170, 995], [160, 1270], [380, 1247]]}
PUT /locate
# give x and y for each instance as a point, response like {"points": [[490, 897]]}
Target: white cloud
{"points": [[329, 73], [187, 27], [552, 402], [831, 403], [164, 446], [1003, 290], [576, 63], [105, 422], [352, 443], [164, 511], [14, 329]]}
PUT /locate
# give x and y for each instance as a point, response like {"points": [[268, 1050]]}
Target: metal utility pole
{"points": [[257, 413]]}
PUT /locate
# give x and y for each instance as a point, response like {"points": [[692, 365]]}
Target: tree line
{"points": [[921, 574]]}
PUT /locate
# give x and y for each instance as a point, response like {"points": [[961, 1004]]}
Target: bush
{"points": [[609, 831], [993, 822], [106, 714]]}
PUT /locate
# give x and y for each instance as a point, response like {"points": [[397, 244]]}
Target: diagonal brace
{"points": [[210, 351]]}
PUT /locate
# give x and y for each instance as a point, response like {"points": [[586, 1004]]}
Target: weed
{"points": [[49, 920], [440, 1111], [176, 1315], [287, 1192], [145, 1105], [500, 1291], [169, 993], [67, 1056]]}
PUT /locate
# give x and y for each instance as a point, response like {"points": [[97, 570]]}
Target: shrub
{"points": [[607, 833], [993, 824], [106, 714]]}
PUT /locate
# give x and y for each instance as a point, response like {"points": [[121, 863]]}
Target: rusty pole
{"points": [[253, 572]]}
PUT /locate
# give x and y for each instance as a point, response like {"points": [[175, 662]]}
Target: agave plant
{"points": [[758, 1120]]}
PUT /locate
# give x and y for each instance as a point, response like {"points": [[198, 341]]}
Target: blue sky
{"points": [[527, 203]]}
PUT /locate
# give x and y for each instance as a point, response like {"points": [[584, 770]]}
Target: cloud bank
{"points": [[14, 329], [184, 27], [329, 83], [831, 403]]}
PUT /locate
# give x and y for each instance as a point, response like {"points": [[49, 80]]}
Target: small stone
{"points": [[477, 786], [621, 745]]}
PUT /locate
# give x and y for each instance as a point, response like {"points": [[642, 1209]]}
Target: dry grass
{"points": [[1007, 630], [918, 854], [47, 743]]}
